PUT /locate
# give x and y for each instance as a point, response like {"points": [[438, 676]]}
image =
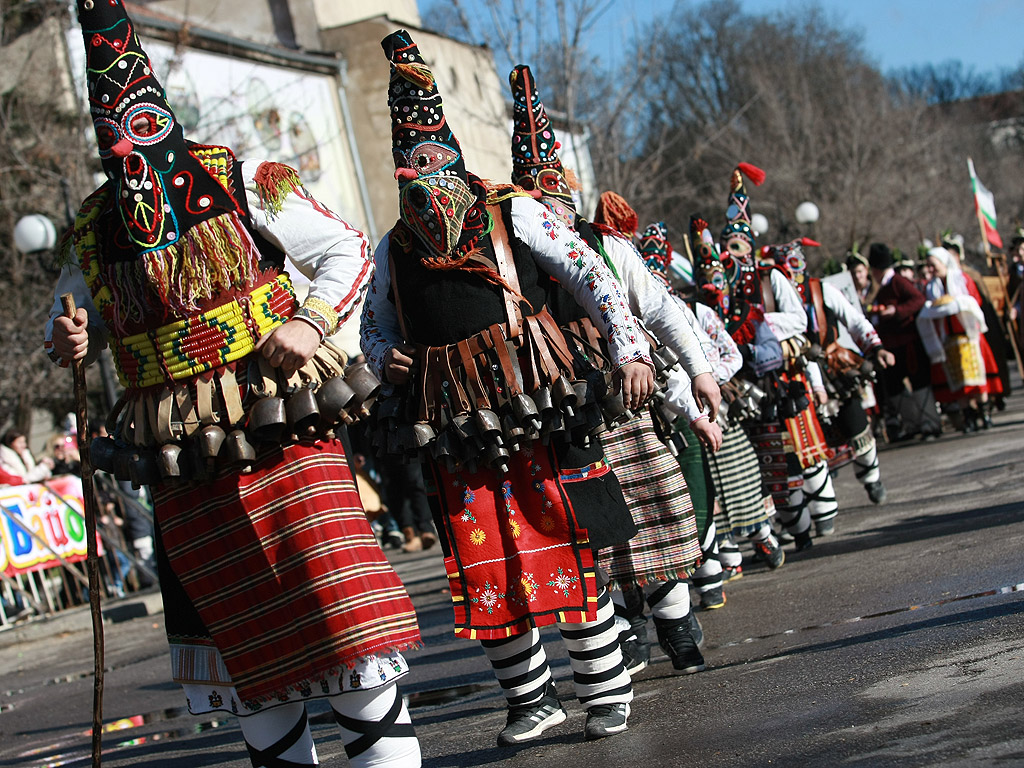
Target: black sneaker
{"points": [[731, 573], [696, 630], [712, 599], [636, 651], [605, 720], [677, 641], [529, 721], [769, 551], [803, 540], [876, 492]]}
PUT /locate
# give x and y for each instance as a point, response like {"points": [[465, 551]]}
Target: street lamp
{"points": [[759, 223], [34, 233], [807, 213]]}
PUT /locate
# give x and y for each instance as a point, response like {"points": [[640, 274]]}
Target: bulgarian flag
{"points": [[985, 207]]}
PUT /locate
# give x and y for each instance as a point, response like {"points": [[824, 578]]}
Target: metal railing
{"points": [[46, 592]]}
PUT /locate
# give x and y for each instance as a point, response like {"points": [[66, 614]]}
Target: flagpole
{"points": [[992, 259]]}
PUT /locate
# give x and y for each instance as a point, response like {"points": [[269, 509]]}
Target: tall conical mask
{"points": [[162, 190], [435, 197], [536, 166], [656, 250], [738, 236], [713, 286]]}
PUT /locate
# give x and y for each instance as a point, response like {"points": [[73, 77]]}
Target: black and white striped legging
{"points": [[598, 675]]}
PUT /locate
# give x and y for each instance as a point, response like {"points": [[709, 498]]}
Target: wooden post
{"points": [[992, 259]]}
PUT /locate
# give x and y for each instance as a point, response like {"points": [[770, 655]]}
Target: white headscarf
{"points": [[955, 284], [964, 304]]}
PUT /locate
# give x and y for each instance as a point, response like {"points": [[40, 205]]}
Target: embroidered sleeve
{"points": [[331, 253], [863, 333], [563, 255], [379, 330], [789, 319], [651, 301], [730, 360], [72, 281]]}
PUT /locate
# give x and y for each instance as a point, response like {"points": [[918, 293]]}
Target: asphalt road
{"points": [[897, 642]]}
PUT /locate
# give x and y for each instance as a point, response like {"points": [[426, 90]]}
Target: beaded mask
{"points": [[713, 286], [656, 250], [437, 202], [737, 236], [790, 257], [162, 189], [536, 166]]}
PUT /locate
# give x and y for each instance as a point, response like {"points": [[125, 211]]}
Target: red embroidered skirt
{"points": [[284, 570], [804, 436], [518, 559]]}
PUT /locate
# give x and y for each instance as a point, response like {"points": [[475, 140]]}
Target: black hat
{"points": [[879, 256]]}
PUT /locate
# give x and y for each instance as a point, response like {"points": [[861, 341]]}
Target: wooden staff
{"points": [[92, 556]]}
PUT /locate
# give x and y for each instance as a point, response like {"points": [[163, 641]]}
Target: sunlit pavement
{"points": [[897, 641]]}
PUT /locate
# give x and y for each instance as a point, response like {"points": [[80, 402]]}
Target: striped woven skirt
{"points": [[666, 546], [279, 585], [769, 446], [804, 436], [736, 475]]}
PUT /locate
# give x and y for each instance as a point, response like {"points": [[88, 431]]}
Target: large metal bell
{"points": [[545, 405], [423, 434], [515, 435], [142, 468], [333, 398], [365, 384], [102, 451], [170, 460], [443, 452], [465, 432], [239, 450], [496, 458], [564, 396], [122, 461], [303, 412], [615, 411], [488, 424], [210, 439], [268, 420], [526, 412], [670, 358]]}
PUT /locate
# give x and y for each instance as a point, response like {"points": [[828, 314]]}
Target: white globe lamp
{"points": [[807, 213], [759, 223], [34, 233]]}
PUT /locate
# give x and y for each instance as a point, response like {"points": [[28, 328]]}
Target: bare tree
{"points": [[45, 168]]}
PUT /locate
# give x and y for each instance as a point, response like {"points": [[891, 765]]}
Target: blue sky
{"points": [[987, 35]]}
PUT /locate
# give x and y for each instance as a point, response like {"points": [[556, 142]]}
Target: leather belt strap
{"points": [[474, 385], [507, 271], [767, 295], [555, 338], [818, 301]]}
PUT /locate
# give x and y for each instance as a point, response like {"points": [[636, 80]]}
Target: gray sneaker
{"points": [[529, 721], [605, 720]]}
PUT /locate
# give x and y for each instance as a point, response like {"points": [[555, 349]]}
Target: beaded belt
{"points": [[194, 345]]}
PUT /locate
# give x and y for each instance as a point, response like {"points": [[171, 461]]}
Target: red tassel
{"points": [[809, 242], [752, 172]]}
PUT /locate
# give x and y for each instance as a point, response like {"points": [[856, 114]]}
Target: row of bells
{"points": [[312, 411], [575, 411]]}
